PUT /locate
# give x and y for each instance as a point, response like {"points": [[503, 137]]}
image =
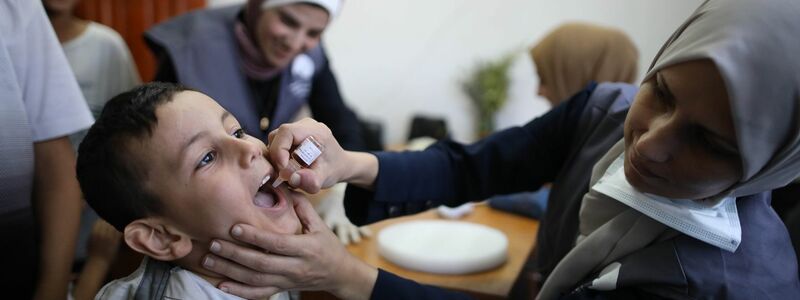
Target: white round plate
{"points": [[443, 247]]}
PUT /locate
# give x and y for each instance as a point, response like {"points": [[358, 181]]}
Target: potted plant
{"points": [[487, 88]]}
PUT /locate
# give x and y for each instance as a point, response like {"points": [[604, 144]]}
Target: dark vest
{"points": [[763, 267], [205, 56], [600, 127]]}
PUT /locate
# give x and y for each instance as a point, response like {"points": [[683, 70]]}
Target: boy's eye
{"points": [[239, 133], [207, 159]]}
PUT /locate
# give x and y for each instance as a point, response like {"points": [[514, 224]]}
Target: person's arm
{"points": [[57, 202], [55, 108], [513, 160], [327, 106], [392, 287], [103, 247], [397, 183]]}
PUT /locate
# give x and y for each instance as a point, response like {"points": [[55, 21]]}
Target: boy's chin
{"points": [[287, 224]]}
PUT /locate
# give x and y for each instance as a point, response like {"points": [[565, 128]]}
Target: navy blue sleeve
{"points": [[513, 160], [328, 107], [391, 287]]}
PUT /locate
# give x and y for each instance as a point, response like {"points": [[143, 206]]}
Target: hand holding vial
{"points": [[308, 157], [302, 157]]}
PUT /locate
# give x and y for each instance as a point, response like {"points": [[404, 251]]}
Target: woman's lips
{"points": [[280, 53]]}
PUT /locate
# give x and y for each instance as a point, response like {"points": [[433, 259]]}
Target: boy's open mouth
{"points": [[267, 196]]}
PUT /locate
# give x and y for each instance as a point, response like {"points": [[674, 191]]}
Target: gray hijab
{"points": [[754, 45]]}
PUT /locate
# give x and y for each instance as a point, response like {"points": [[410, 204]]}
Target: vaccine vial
{"points": [[301, 157]]}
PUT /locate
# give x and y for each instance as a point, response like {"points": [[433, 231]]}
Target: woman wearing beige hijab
{"points": [[659, 191], [567, 60], [575, 54]]}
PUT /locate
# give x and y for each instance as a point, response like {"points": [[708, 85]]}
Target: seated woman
{"points": [[658, 192]]}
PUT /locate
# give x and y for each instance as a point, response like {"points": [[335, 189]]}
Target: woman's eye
{"points": [[662, 94], [207, 159], [288, 21], [662, 100], [721, 147], [314, 34], [239, 133], [716, 145], [659, 92]]}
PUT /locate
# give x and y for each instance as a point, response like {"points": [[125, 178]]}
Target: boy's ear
{"points": [[151, 237]]}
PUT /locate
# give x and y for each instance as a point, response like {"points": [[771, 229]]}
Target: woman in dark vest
{"points": [[660, 191], [262, 61]]}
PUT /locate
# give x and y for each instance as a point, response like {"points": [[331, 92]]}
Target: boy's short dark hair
{"points": [[111, 180]]}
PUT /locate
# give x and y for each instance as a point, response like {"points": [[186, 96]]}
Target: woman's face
{"points": [[286, 31], [679, 136]]}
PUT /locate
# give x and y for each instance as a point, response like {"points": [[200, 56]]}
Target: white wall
{"points": [[395, 58]]}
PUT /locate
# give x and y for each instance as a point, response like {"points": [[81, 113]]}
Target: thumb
{"points": [[305, 179], [278, 148], [308, 216]]}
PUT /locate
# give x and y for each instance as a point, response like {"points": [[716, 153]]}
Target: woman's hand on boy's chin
{"points": [[293, 196], [315, 260]]}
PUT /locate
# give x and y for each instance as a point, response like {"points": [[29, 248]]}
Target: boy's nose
{"points": [[250, 152]]}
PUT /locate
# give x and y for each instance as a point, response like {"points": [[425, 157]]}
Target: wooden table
{"points": [[495, 283]]}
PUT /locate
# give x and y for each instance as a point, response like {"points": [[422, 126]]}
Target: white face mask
{"points": [[717, 225]]}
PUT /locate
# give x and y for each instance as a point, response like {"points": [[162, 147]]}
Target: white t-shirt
{"points": [[103, 65], [170, 282], [39, 97]]}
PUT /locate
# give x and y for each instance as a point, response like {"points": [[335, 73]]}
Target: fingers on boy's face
{"points": [[292, 194], [264, 150]]}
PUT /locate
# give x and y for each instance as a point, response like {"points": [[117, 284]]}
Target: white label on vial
{"points": [[308, 152]]}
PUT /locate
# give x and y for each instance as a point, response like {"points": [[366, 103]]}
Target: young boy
{"points": [[172, 170]]}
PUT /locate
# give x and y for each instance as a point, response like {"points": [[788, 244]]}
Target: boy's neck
{"points": [[193, 263]]}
